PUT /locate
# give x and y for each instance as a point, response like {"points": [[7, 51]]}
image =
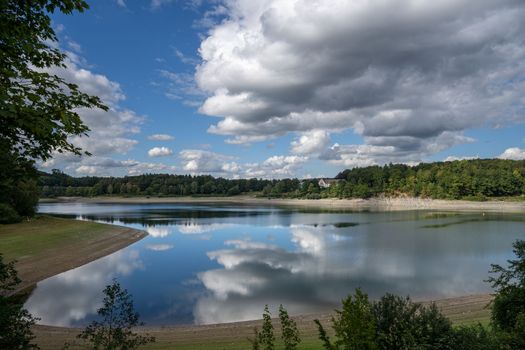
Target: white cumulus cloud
{"points": [[407, 76], [111, 132], [160, 152], [514, 153], [311, 142]]}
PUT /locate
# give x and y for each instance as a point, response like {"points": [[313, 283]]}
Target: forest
{"points": [[476, 179]]}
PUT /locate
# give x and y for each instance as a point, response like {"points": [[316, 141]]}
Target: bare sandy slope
{"points": [[467, 309], [374, 204], [50, 262]]}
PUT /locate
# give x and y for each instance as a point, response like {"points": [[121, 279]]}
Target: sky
{"points": [[289, 88]]}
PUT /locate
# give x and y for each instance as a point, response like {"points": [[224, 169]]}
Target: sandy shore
{"points": [[33, 268], [373, 204], [461, 310]]}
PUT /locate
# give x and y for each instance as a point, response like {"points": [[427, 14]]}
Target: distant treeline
{"points": [[469, 179], [476, 178], [59, 184]]}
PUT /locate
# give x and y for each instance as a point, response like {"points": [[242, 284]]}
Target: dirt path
{"points": [[461, 310]]}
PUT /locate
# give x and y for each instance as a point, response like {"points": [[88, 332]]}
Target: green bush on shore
{"points": [[8, 215]]}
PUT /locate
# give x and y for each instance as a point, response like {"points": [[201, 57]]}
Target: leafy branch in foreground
{"points": [[15, 321], [38, 109]]}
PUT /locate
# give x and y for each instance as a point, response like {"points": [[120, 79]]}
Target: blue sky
{"points": [[276, 88]]}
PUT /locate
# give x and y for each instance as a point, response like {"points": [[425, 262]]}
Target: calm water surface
{"points": [[208, 264]]}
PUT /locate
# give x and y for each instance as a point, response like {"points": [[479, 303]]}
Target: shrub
{"points": [[402, 324], [508, 308], [15, 321], [509, 302], [474, 338], [396, 324], [114, 331], [8, 215], [266, 337], [391, 323], [354, 325], [290, 333]]}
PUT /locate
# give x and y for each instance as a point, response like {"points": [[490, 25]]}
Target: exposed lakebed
{"points": [[210, 264]]}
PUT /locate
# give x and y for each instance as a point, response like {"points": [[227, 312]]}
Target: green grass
{"points": [[43, 233]]}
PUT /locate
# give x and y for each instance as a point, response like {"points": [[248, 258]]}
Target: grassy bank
{"points": [[46, 246]]}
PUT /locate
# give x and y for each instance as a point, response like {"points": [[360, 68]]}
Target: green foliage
{"points": [[15, 321], [323, 336], [402, 324], [508, 308], [476, 179], [354, 325], [474, 338], [392, 323], [25, 197], [470, 179], [289, 331], [8, 215], [18, 189], [59, 184], [266, 337], [233, 191], [114, 331], [38, 110], [255, 340], [435, 330], [396, 322]]}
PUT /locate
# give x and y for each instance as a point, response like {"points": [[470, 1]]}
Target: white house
{"points": [[325, 183]]}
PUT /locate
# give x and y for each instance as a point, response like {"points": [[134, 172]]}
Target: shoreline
{"points": [[460, 310], [35, 267], [372, 204]]}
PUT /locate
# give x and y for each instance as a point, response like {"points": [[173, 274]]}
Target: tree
{"points": [[15, 321], [266, 337], [38, 109], [392, 323], [396, 322], [323, 336], [474, 337], [354, 325], [18, 190], [508, 308], [289, 331], [114, 331], [402, 324]]}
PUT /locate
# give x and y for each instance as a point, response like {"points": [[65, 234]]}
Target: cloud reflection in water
{"points": [[72, 296], [324, 265]]}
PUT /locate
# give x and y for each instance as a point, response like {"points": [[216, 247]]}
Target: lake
{"points": [[210, 264]]}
